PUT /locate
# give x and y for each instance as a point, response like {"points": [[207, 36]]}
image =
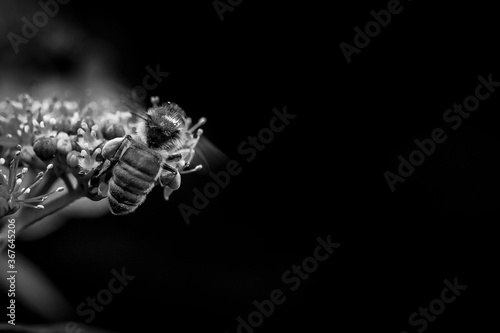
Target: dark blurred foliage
{"points": [[322, 175]]}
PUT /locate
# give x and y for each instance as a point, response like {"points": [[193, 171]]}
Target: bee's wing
{"points": [[125, 102], [209, 156]]}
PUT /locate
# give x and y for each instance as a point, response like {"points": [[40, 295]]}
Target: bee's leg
{"points": [[191, 151], [189, 157], [112, 151], [179, 155], [169, 177], [184, 157], [106, 166], [174, 157], [169, 168]]}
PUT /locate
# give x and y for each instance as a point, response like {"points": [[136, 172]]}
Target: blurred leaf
{"points": [[209, 155], [8, 142], [52, 328], [82, 208], [35, 291]]}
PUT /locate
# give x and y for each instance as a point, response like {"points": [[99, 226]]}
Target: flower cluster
{"points": [[51, 140], [54, 140]]}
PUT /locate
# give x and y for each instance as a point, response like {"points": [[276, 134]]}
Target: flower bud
{"points": [[79, 124], [44, 148], [28, 156], [112, 131], [72, 158], [64, 145], [176, 182], [62, 135]]}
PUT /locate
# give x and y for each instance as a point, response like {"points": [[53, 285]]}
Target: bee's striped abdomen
{"points": [[134, 177]]}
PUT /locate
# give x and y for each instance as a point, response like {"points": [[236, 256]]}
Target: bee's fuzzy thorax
{"points": [[164, 128], [169, 116]]}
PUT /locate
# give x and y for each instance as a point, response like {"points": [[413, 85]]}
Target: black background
{"points": [[323, 175]]}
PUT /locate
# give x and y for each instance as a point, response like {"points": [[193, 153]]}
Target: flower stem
{"points": [[53, 206], [46, 184], [67, 182], [37, 215]]}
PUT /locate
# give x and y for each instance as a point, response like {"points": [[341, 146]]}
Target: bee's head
{"points": [[164, 127]]}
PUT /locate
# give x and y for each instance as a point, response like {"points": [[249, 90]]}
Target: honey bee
{"points": [[161, 150]]}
